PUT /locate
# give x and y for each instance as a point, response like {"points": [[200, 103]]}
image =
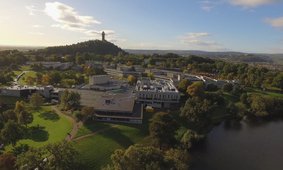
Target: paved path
{"points": [[76, 125], [93, 133]]}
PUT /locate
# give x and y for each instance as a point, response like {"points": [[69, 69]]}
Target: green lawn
{"points": [[48, 127], [96, 150], [27, 74]]}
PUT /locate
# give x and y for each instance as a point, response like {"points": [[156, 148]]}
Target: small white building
{"points": [[157, 93]]}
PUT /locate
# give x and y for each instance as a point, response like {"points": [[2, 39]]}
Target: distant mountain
{"points": [[231, 56], [92, 46]]}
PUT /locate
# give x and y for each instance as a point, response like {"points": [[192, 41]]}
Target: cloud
{"points": [[67, 17], [31, 9], [275, 22], [201, 40], [95, 32], [36, 33], [209, 5], [37, 26], [252, 3]]}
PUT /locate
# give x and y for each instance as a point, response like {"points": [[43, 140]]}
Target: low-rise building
{"points": [[48, 92], [112, 107], [52, 65], [103, 82], [157, 93], [125, 71]]}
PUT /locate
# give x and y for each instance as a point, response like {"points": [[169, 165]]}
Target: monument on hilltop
{"points": [[103, 36]]}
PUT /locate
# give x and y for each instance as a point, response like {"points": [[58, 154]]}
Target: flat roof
{"points": [[115, 103], [121, 102], [156, 86]]}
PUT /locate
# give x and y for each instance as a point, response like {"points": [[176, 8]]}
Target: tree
{"points": [[259, 106], [19, 107], [197, 112], [11, 132], [278, 81], [59, 156], [183, 85], [7, 161], [196, 89], [62, 156], [25, 117], [162, 129], [32, 159], [150, 75], [190, 137], [132, 79], [8, 115], [22, 148], [69, 100], [30, 80], [148, 157], [177, 159], [46, 79], [87, 112], [228, 87], [36, 100]]}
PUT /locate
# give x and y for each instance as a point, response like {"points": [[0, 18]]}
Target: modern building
{"points": [[48, 92], [103, 82], [116, 108], [99, 79], [125, 71], [157, 93], [112, 107], [52, 65]]}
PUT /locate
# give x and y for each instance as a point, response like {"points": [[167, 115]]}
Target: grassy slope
{"points": [[54, 128], [96, 150]]}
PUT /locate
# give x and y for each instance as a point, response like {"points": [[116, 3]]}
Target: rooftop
{"points": [[156, 85]]}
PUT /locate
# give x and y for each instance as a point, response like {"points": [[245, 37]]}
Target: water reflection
{"points": [[235, 145]]}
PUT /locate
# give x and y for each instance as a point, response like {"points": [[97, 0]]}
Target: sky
{"points": [[210, 25]]}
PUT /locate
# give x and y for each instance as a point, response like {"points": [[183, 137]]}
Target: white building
{"points": [[157, 93]]}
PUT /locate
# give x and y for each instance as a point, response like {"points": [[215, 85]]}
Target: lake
{"points": [[242, 146]]}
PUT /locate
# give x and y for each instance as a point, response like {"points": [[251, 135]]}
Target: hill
{"points": [[92, 46], [230, 56]]}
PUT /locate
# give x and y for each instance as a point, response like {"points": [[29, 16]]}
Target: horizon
{"points": [[250, 26]]}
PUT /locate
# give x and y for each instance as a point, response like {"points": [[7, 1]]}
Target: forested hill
{"points": [[92, 46]]}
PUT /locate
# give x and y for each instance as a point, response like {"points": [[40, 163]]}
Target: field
{"points": [[105, 138], [47, 127]]}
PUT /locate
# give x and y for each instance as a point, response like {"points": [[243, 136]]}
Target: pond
{"points": [[241, 146]]}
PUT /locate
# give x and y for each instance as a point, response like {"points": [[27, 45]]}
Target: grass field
{"points": [[96, 150], [27, 74], [47, 127]]}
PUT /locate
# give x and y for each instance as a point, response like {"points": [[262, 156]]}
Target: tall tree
{"points": [[148, 157], [197, 112], [162, 129], [11, 132], [69, 100], [183, 85], [196, 89], [132, 79], [36, 100]]}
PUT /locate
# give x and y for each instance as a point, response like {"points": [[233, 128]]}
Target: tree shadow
{"points": [[49, 116], [117, 136], [38, 134]]}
